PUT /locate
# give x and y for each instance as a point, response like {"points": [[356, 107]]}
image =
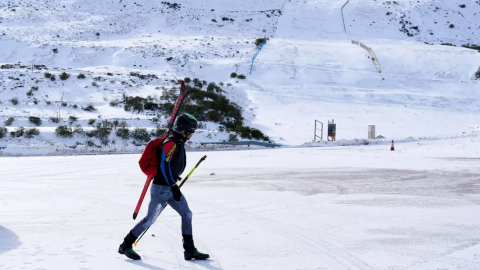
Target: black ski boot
{"points": [[190, 251], [126, 247]]}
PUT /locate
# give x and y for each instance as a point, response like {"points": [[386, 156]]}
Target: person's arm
{"points": [[169, 165], [168, 158]]}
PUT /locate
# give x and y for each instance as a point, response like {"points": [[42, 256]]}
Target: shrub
{"points": [[47, 75], [187, 80], [109, 74], [72, 119], [104, 141], [64, 76], [30, 93], [9, 121], [35, 102], [462, 6], [213, 116], [49, 103], [245, 132], [19, 131], [477, 74], [75, 106], [55, 119], [257, 134], [64, 132], [78, 130], [101, 133], [233, 75], [55, 50], [35, 120], [90, 143], [452, 25], [89, 108], [211, 87], [250, 133], [241, 76], [233, 138], [30, 132], [141, 134], [159, 132], [91, 121], [138, 104], [259, 41], [81, 76], [53, 78], [64, 104], [34, 88], [98, 34], [3, 132], [123, 131], [115, 102], [14, 101]]}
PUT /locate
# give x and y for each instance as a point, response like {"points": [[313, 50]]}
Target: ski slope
{"points": [[312, 208]]}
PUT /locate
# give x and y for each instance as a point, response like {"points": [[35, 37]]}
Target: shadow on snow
{"points": [[10, 240]]}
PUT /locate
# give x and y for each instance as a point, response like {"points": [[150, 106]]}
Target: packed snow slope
{"points": [[308, 70], [351, 208]]}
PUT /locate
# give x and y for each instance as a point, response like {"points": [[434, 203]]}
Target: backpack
{"points": [[148, 161]]}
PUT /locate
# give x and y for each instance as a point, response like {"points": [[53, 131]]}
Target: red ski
{"points": [[181, 98]]}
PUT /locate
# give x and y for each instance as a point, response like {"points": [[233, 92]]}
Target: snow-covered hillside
{"points": [[308, 70]]}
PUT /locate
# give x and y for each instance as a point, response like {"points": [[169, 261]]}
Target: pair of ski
{"points": [[181, 98]]}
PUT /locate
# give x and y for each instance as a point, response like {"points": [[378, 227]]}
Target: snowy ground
{"points": [[312, 208], [308, 70]]}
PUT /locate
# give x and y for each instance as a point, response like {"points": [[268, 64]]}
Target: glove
{"points": [[177, 195]]}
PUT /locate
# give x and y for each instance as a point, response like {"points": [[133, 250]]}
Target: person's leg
{"points": [[159, 197], [184, 211]]}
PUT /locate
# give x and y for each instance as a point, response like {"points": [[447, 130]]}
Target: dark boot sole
{"points": [[130, 256], [193, 258]]}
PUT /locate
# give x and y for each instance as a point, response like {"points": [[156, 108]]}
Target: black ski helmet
{"points": [[185, 124]]}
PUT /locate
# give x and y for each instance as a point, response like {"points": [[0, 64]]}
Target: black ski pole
{"points": [[179, 186]]}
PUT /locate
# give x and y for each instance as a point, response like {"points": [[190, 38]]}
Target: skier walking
{"points": [[165, 189]]}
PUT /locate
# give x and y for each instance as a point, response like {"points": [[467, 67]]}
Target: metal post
{"points": [[315, 131], [341, 10]]}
